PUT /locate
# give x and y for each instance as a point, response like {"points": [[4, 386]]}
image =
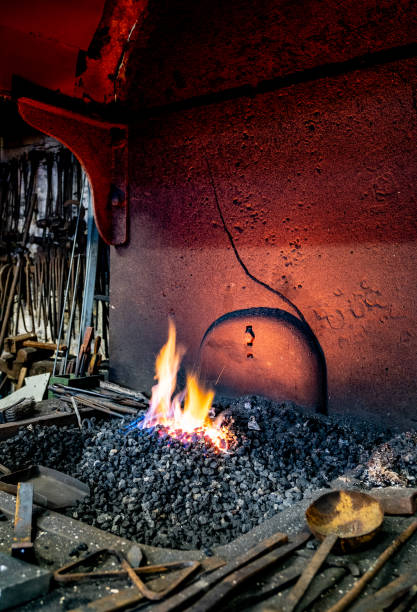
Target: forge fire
{"points": [[194, 420]]}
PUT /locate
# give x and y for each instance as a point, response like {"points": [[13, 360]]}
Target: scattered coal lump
{"points": [[148, 487]]}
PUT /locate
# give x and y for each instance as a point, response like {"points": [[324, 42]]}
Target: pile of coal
{"points": [[148, 487]]}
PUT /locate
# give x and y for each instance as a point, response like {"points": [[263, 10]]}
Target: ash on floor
{"points": [[148, 487]]}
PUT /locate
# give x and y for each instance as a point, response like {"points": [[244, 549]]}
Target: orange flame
{"points": [[192, 419]]}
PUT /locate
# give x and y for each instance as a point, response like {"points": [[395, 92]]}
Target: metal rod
{"points": [[74, 404], [309, 572], [61, 325], [71, 319], [388, 594], [358, 587], [86, 400], [10, 301], [104, 384], [96, 406], [90, 277], [58, 387], [75, 390], [178, 601], [233, 582]]}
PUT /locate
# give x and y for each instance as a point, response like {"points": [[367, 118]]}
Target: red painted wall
{"points": [[316, 183], [189, 49]]}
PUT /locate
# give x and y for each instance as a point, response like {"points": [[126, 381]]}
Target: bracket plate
{"points": [[102, 149]]}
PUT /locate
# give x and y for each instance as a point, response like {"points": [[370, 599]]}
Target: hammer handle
{"points": [[47, 346]]}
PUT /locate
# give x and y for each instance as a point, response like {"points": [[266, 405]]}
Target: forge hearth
{"points": [[265, 351], [153, 489]]}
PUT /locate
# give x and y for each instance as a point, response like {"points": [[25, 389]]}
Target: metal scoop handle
{"points": [[309, 572]]}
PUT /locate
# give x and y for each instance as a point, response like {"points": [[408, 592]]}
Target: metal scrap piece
{"points": [[22, 545], [20, 582]]}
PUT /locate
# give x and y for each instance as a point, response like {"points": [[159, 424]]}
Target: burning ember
{"points": [[192, 421]]}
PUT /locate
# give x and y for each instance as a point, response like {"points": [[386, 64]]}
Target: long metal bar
{"points": [[104, 384], [313, 566], [105, 396], [186, 596], [74, 244], [90, 277], [17, 271], [388, 594], [128, 597], [358, 587], [65, 573], [10, 300], [95, 405], [71, 319], [231, 583]]}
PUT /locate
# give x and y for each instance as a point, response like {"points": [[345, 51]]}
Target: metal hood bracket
{"points": [[102, 149]]}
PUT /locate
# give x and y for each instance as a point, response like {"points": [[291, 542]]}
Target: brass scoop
{"points": [[344, 520]]}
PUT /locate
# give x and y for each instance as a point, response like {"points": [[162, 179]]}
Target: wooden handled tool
{"points": [[95, 358], [45, 346], [84, 351]]}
